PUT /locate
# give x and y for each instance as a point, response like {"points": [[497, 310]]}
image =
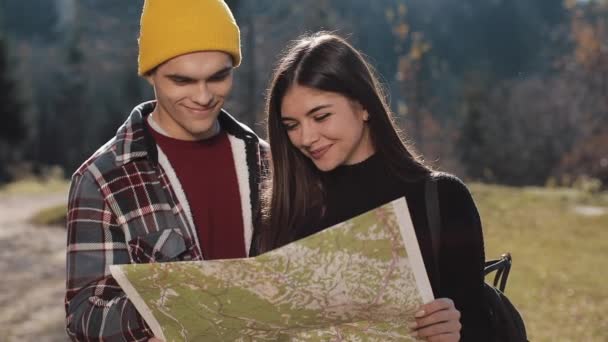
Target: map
{"points": [[360, 280]]}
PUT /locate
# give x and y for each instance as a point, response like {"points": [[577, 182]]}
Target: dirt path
{"points": [[32, 271]]}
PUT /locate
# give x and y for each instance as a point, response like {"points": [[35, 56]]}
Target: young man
{"points": [[180, 181]]}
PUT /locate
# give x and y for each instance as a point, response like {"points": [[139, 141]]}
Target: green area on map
{"points": [[351, 282]]}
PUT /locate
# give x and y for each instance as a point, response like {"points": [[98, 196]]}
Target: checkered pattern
{"points": [[123, 209]]}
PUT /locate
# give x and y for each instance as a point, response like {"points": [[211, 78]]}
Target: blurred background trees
{"points": [[512, 92], [13, 129]]}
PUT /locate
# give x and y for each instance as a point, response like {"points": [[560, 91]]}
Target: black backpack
{"points": [[506, 322]]}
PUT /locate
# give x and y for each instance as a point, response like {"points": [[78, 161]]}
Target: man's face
{"points": [[190, 92]]}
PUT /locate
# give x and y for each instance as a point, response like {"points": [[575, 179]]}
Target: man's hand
{"points": [[437, 321], [154, 339]]}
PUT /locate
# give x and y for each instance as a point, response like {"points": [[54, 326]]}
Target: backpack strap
{"points": [[502, 267], [433, 218]]}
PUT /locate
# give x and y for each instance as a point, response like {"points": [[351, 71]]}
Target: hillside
{"points": [[558, 239]]}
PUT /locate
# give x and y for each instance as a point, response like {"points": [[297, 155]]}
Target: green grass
{"points": [[38, 187], [559, 256], [34, 187], [53, 216], [557, 279]]}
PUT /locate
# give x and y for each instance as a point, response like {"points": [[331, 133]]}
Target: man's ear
{"points": [[150, 78]]}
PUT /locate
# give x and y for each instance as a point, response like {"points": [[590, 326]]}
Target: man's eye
{"points": [[219, 77], [179, 80]]}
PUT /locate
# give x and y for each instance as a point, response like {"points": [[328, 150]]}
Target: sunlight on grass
{"points": [[53, 216], [34, 187], [558, 253]]}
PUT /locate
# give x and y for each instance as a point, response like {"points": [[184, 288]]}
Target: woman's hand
{"points": [[437, 321]]}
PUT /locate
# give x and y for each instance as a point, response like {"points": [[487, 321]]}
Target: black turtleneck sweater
{"points": [[354, 189]]}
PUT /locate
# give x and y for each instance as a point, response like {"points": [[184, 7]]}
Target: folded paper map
{"points": [[360, 280]]}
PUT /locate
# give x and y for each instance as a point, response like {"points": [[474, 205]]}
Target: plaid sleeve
{"points": [[96, 307]]}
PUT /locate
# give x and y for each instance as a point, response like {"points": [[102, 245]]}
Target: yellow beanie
{"points": [[170, 28]]}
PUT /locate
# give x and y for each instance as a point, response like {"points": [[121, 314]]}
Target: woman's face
{"points": [[326, 127]]}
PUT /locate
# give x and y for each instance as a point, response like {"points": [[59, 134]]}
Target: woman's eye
{"points": [[322, 117], [290, 127]]}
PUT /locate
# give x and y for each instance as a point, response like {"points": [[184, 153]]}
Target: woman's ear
{"points": [[358, 107], [364, 113]]}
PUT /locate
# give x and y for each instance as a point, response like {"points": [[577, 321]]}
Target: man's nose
{"points": [[203, 96]]}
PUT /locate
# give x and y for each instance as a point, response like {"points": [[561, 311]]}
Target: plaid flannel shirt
{"points": [[126, 206]]}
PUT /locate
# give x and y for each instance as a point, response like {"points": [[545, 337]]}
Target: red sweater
{"points": [[207, 174]]}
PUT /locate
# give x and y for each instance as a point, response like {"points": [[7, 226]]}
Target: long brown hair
{"points": [[326, 62]]}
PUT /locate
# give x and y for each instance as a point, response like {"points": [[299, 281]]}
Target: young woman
{"points": [[336, 154]]}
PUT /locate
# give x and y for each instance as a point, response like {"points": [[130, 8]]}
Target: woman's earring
{"points": [[365, 114]]}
